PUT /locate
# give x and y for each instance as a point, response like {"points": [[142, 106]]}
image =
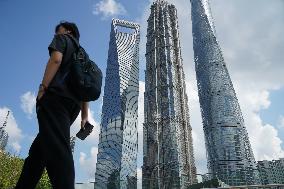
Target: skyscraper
{"points": [[117, 150], [271, 172], [3, 139], [229, 152], [168, 160], [72, 143]]}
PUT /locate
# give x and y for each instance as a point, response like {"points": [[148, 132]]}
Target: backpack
{"points": [[84, 78]]}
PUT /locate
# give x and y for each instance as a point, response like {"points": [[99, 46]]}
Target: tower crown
{"points": [[203, 5], [123, 23]]}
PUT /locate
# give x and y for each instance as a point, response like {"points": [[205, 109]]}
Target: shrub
{"points": [[10, 170]]}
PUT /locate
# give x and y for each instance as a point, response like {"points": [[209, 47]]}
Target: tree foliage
{"points": [[10, 170]]}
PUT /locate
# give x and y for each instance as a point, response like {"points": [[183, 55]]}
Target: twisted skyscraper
{"points": [[117, 150], [229, 153], [168, 160]]}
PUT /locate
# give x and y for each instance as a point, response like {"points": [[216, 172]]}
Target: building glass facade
{"points": [[271, 172], [3, 138], [117, 150], [168, 160], [229, 153]]}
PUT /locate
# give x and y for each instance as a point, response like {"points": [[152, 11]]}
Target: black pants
{"points": [[51, 147]]}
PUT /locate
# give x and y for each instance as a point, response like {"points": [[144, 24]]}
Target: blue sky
{"points": [[250, 35]]}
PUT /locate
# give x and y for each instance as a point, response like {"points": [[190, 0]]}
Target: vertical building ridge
{"points": [[118, 141], [168, 160], [229, 153]]}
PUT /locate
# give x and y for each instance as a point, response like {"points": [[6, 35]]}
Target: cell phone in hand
{"points": [[83, 133]]}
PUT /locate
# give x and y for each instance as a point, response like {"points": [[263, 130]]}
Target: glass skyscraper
{"points": [[168, 160], [3, 138], [229, 153], [271, 172], [117, 150]]}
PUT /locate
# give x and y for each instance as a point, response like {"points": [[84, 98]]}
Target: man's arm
{"points": [[50, 70], [84, 113]]}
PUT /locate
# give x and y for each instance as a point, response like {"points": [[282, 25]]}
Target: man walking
{"points": [[56, 108]]}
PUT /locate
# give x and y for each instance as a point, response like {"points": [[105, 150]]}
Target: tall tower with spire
{"points": [[229, 153], [168, 160], [118, 142]]}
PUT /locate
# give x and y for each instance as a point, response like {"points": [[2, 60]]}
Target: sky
{"points": [[250, 34]]}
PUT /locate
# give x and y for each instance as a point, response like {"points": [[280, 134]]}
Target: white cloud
{"points": [[197, 129], [13, 130], [281, 121], [264, 138], [109, 8], [89, 163], [28, 102], [16, 146], [250, 35]]}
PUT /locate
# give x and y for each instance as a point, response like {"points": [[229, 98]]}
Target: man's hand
{"points": [[40, 94], [83, 123], [84, 113], [41, 91]]}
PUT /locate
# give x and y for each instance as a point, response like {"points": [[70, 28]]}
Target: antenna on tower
{"points": [[6, 119]]}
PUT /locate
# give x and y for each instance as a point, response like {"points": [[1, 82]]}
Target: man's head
{"points": [[67, 27]]}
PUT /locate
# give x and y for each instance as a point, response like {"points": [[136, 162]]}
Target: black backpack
{"points": [[84, 78]]}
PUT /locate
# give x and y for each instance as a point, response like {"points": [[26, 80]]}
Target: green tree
{"points": [[10, 170]]}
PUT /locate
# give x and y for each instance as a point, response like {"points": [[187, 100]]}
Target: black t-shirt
{"points": [[64, 44]]}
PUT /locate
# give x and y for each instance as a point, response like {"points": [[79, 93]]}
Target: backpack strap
{"points": [[75, 41], [79, 53], [76, 44]]}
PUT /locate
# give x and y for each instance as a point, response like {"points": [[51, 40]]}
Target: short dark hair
{"points": [[72, 27]]}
